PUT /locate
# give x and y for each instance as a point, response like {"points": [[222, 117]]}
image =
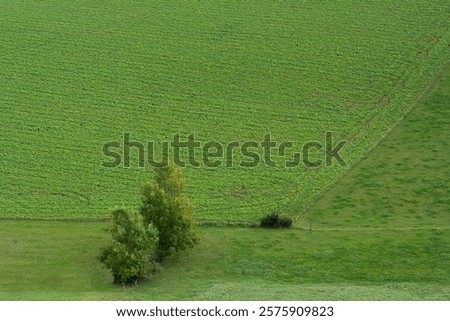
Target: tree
{"points": [[168, 209], [128, 254]]}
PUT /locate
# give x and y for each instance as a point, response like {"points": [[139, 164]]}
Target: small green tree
{"points": [[168, 209], [128, 254]]}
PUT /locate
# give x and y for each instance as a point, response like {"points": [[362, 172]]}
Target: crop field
{"points": [[76, 75], [54, 260]]}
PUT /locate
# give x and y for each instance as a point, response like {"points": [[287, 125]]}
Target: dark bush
{"points": [[285, 222], [273, 220]]}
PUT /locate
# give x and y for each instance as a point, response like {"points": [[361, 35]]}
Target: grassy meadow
{"points": [[76, 75], [56, 261]]}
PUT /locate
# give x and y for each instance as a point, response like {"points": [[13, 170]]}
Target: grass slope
{"points": [[77, 74], [56, 261]]}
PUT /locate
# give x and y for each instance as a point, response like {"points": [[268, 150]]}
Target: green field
{"points": [[404, 182], [56, 261], [75, 75], [51, 260]]}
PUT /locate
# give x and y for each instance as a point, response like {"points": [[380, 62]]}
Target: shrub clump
{"points": [[273, 220]]}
